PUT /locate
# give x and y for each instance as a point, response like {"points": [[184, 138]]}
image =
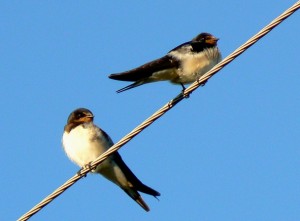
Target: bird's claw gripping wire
{"points": [[202, 84], [87, 166]]}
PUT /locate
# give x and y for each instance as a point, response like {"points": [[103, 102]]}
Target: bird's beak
{"points": [[212, 40], [89, 115], [87, 118]]}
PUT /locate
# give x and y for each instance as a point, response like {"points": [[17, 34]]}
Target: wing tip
{"points": [[113, 76]]}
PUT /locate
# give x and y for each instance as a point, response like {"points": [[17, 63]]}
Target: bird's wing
{"points": [[146, 70]]}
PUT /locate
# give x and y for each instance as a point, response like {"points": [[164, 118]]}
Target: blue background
{"points": [[229, 152]]}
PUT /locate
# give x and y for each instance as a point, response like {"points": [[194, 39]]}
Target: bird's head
{"points": [[80, 115], [206, 38]]}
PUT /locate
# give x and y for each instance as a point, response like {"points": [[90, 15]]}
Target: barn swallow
{"points": [[83, 142], [182, 65]]}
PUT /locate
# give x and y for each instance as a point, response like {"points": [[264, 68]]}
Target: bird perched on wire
{"points": [[83, 142], [182, 65]]}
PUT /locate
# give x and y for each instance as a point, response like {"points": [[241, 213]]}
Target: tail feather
{"points": [[146, 189], [142, 203], [135, 84], [133, 193], [139, 186], [137, 198], [133, 184]]}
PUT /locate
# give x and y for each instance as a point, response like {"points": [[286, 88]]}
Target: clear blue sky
{"points": [[229, 152]]}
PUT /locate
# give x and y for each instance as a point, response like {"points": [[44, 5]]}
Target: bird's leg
{"points": [[183, 88], [86, 166]]}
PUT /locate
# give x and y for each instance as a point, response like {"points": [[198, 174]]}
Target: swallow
{"points": [[83, 142], [182, 65]]}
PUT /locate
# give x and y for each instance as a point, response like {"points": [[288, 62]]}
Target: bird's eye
{"points": [[202, 39], [79, 115]]}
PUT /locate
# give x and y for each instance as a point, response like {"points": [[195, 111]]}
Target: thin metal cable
{"points": [[162, 111]]}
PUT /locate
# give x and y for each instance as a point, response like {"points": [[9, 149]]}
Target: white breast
{"points": [[84, 144], [194, 65]]}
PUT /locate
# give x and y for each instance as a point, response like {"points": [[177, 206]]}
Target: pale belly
{"points": [[192, 69], [80, 148], [193, 66], [83, 145]]}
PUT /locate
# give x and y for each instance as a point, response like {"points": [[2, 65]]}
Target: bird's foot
{"points": [[87, 166], [203, 83], [185, 95]]}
